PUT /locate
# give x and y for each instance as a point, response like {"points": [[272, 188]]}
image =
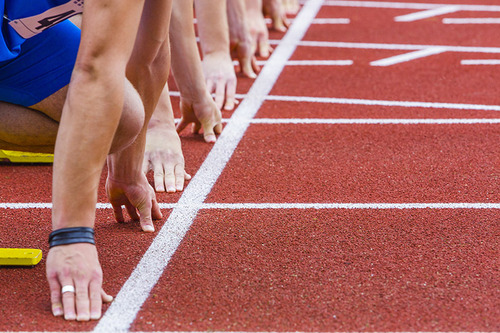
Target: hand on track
{"points": [[221, 79], [139, 199], [164, 156], [76, 265], [204, 115]]}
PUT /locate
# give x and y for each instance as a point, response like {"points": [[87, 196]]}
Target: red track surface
{"points": [[331, 269]]}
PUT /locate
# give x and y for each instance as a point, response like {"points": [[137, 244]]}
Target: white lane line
{"points": [[308, 62], [243, 332], [456, 205], [408, 5], [331, 21], [407, 104], [298, 205], [427, 13], [322, 21], [480, 62], [408, 56], [137, 288], [384, 46], [479, 20], [377, 121], [357, 101]]}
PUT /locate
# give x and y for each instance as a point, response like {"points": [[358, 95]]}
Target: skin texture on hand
{"points": [[221, 79], [139, 200], [120, 39], [258, 28], [217, 64], [277, 12], [203, 115], [164, 156], [240, 39], [163, 152], [291, 6], [77, 265]]}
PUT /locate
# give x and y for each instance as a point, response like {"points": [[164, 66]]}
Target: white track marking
{"points": [[408, 5], [137, 288], [407, 104], [308, 62], [376, 121], [479, 20], [322, 21], [458, 205], [315, 21], [383, 46], [331, 21], [427, 13], [480, 62], [235, 332], [408, 56], [298, 205], [357, 101]]}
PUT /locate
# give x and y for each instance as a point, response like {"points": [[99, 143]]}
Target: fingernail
{"points": [[210, 138], [171, 189], [179, 187], [69, 316], [57, 311], [148, 228], [95, 315], [83, 317]]}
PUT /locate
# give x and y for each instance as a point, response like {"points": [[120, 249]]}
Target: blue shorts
{"points": [[42, 68]]}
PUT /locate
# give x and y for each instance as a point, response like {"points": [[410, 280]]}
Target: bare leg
{"points": [[34, 128]]}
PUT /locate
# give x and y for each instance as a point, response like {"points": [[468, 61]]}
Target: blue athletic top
{"points": [[12, 10]]}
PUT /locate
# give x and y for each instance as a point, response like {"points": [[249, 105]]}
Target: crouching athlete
{"points": [[87, 96]]}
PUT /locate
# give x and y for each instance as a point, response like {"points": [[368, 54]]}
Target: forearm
{"points": [[253, 5], [213, 26], [147, 70], [186, 62], [90, 117], [91, 114], [163, 115]]}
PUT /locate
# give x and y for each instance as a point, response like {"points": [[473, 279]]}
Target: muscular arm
{"points": [[90, 118], [218, 67], [240, 38], [197, 105]]}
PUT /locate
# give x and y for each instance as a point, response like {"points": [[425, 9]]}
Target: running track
{"points": [[358, 193]]}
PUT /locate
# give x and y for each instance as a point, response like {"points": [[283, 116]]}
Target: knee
{"points": [[131, 121]]}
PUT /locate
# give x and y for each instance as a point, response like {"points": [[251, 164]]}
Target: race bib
{"points": [[28, 27]]}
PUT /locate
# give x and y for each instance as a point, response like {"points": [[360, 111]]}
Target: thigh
{"points": [[42, 69]]}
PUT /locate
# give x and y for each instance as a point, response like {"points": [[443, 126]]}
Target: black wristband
{"points": [[73, 235]]}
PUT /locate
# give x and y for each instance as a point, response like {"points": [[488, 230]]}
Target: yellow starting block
{"points": [[20, 257], [25, 157]]}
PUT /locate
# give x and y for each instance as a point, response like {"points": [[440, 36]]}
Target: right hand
{"points": [[204, 114], [76, 265]]}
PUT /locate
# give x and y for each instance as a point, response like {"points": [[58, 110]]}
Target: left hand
{"points": [[221, 78], [204, 115], [139, 199], [276, 10], [164, 156]]}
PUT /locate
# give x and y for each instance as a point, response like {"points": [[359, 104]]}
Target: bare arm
{"points": [[197, 105], [240, 38], [214, 40], [91, 114]]}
